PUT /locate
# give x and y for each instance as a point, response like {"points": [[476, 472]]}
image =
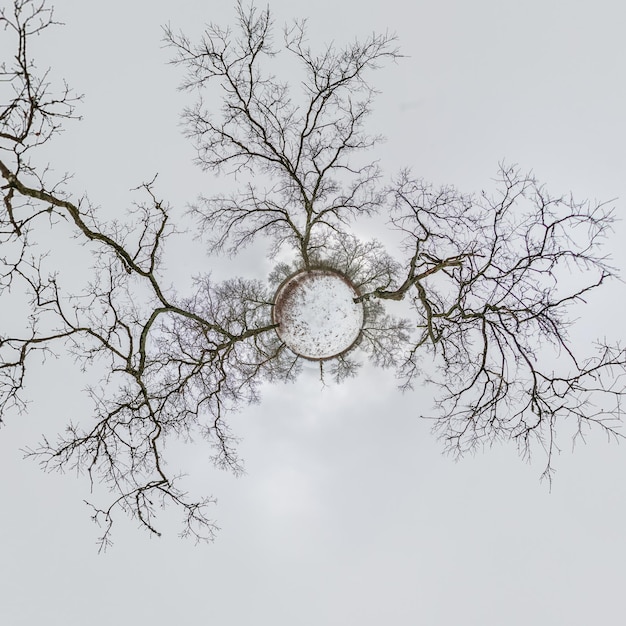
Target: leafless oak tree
{"points": [[491, 280], [306, 143], [484, 278], [159, 384]]}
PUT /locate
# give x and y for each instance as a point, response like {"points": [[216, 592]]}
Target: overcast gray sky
{"points": [[348, 513]]}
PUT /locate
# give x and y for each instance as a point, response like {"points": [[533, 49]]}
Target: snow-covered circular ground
{"points": [[316, 313]]}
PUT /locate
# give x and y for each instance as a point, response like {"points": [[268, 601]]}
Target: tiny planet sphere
{"points": [[316, 313]]}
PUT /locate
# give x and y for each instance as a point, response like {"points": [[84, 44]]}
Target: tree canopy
{"points": [[482, 278]]}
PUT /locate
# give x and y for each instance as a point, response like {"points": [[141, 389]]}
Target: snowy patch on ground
{"points": [[316, 313]]}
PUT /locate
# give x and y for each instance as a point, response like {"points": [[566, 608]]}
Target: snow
{"points": [[316, 313]]}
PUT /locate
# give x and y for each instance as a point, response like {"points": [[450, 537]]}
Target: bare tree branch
{"points": [[489, 279], [304, 142], [483, 284]]}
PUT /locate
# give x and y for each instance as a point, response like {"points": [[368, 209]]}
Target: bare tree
{"points": [[483, 277], [157, 386], [490, 280], [307, 143]]}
